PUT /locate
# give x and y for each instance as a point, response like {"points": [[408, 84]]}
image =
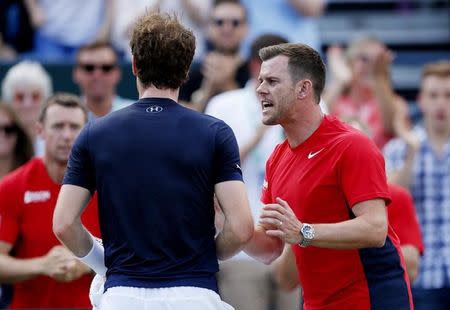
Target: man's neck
{"points": [[100, 106], [6, 164], [299, 129], [153, 92], [55, 170]]}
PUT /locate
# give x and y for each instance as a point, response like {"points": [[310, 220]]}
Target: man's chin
{"points": [[269, 122]]}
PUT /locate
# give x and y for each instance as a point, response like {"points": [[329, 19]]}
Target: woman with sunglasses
{"points": [[16, 147]]}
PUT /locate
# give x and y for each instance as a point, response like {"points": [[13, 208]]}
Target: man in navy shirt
{"points": [[156, 167]]}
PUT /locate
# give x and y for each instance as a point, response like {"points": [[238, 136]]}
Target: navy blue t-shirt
{"points": [[154, 165]]}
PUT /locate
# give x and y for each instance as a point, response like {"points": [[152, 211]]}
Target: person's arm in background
{"points": [[219, 72], [285, 270], [389, 102], [311, 8], [340, 76], [37, 15], [237, 225], [402, 174], [58, 264], [197, 11], [412, 258], [104, 31]]}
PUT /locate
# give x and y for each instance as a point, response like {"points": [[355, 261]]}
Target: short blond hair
{"points": [[29, 74], [440, 69]]}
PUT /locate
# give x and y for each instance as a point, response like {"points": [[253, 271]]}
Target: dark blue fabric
{"points": [[435, 299], [385, 277], [154, 165]]}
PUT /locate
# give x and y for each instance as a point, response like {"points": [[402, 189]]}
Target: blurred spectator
{"points": [[16, 147], [360, 86], [420, 160], [194, 15], [62, 26], [16, 32], [44, 273], [125, 13], [97, 73], [222, 68], [297, 20], [241, 110], [26, 86]]}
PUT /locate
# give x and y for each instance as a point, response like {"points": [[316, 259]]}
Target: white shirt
{"points": [[241, 110]]}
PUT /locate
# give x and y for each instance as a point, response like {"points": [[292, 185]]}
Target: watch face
{"points": [[308, 232]]}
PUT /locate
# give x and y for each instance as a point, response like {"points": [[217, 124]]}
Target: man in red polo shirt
{"points": [[44, 273], [325, 193]]}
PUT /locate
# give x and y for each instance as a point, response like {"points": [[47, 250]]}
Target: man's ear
{"points": [[303, 89], [39, 129], [133, 66]]}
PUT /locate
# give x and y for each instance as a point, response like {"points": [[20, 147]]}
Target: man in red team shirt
{"points": [[44, 273], [325, 193]]}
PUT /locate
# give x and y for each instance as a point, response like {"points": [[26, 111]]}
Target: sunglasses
{"points": [[91, 67], [9, 129], [235, 22]]}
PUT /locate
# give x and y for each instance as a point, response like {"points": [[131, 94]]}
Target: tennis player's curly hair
{"points": [[162, 50]]}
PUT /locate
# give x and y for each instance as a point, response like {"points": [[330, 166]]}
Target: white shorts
{"points": [[171, 298]]}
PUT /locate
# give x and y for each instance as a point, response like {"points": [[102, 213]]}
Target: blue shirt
{"points": [[154, 165]]}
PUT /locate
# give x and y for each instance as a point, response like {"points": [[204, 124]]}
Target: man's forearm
{"points": [[229, 243], [76, 238], [352, 234], [14, 270], [263, 247]]}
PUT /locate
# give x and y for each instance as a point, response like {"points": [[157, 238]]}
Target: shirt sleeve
{"points": [[403, 218], [361, 171], [80, 169], [266, 195], [9, 212], [227, 165]]}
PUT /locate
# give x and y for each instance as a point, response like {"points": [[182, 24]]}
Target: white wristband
{"points": [[95, 259]]}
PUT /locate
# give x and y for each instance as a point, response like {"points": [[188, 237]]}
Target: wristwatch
{"points": [[307, 233]]}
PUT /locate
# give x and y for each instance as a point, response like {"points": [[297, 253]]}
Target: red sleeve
{"points": [[361, 170], [266, 195], [403, 218], [10, 209]]}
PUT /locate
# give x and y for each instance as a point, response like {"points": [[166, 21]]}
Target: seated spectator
{"points": [[97, 73], [44, 273], [360, 86], [26, 86], [222, 68], [16, 147]]}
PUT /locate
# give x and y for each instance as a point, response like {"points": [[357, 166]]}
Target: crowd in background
{"points": [[93, 36]]}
